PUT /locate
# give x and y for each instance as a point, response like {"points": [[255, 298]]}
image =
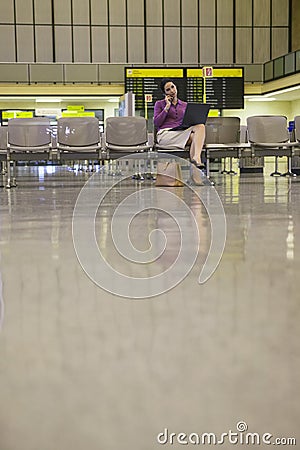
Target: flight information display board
{"points": [[221, 88], [144, 82]]}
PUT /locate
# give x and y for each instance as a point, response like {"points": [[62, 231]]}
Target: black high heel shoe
{"points": [[199, 166]]}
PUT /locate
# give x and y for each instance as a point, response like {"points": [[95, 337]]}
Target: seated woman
{"points": [[168, 114]]}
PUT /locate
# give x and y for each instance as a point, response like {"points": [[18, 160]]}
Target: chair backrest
{"points": [[78, 131], [126, 131], [265, 129], [31, 132], [297, 128], [222, 130]]}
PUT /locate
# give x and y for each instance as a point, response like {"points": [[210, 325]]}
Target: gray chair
{"points": [[27, 140], [78, 138], [125, 136], [223, 140], [296, 157], [182, 153], [268, 136], [297, 129]]}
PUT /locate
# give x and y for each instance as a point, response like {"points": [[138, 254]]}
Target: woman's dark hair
{"points": [[164, 81]]}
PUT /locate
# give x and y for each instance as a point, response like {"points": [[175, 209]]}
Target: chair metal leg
{"points": [[118, 168], [224, 166], [2, 175], [147, 171], [3, 168], [141, 172], [86, 164], [276, 172], [112, 168], [208, 167], [152, 169], [14, 179], [8, 181], [231, 171], [289, 172]]}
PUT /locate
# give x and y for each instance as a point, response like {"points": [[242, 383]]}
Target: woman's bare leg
{"points": [[196, 139]]}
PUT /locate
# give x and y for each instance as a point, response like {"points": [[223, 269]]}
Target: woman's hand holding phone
{"points": [[168, 100]]}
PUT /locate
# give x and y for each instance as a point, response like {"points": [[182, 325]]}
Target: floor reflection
{"points": [[96, 371]]}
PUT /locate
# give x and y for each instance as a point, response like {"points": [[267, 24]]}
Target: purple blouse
{"points": [[168, 119]]}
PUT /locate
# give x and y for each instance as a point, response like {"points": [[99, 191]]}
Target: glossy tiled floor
{"points": [[83, 369]]}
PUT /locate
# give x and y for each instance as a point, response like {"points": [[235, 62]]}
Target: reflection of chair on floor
{"points": [[125, 136], [78, 138], [28, 140], [3, 151], [268, 136], [223, 140]]}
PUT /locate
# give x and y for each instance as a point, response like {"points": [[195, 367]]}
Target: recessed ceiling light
{"points": [[283, 91], [15, 97], [47, 100], [261, 99]]}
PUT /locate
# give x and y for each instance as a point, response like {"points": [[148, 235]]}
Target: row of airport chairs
{"points": [[78, 138], [34, 139], [263, 136]]}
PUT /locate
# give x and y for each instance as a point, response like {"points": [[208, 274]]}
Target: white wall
{"points": [[88, 104], [288, 109], [295, 108]]}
